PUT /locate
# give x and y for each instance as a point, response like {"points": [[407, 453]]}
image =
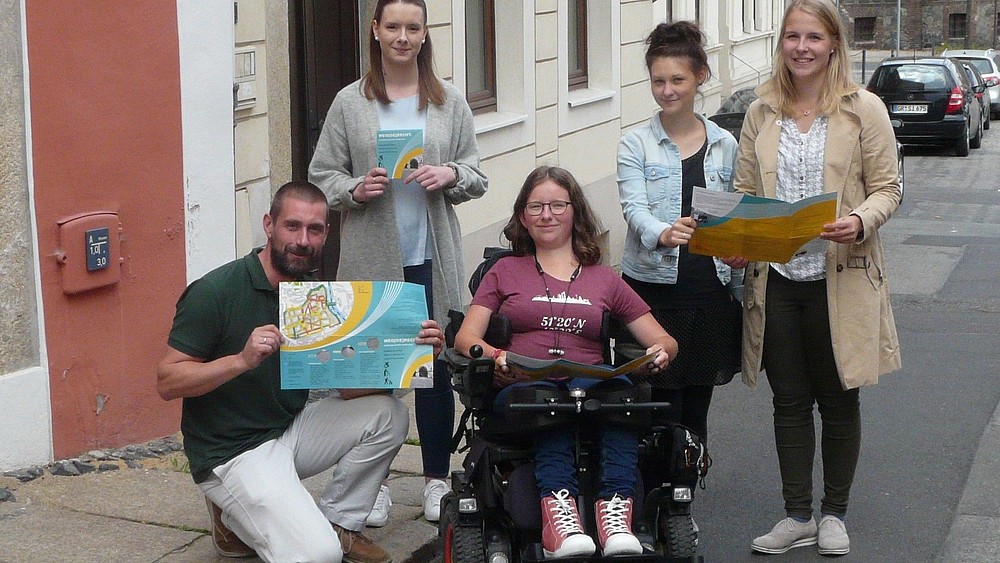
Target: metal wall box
{"points": [[89, 251]]}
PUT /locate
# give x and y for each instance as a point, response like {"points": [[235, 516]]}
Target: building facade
{"points": [[924, 25], [142, 143]]}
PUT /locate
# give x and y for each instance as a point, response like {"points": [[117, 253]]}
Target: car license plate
{"points": [[909, 108]]}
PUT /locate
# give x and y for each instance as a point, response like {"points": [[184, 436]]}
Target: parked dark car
{"points": [[984, 97], [933, 100], [733, 109]]}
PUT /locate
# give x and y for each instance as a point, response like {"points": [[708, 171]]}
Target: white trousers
{"points": [[261, 494]]}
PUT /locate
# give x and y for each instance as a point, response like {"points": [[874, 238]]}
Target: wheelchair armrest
{"points": [[472, 379]]}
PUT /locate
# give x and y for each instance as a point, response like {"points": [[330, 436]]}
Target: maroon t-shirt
{"points": [[514, 288]]}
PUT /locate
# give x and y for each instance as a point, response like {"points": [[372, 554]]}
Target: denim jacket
{"points": [[649, 186]]}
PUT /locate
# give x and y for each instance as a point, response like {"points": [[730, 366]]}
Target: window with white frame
{"points": [[576, 52], [507, 121], [480, 55], [596, 101]]}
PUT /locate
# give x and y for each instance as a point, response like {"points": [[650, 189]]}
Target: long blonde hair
{"points": [[838, 82]]}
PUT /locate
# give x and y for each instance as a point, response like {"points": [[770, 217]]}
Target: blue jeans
{"points": [[435, 406], [553, 450]]}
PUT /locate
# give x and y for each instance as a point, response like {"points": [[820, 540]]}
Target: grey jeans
{"points": [[261, 494]]}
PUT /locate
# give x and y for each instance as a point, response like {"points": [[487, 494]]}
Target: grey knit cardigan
{"points": [[369, 241]]}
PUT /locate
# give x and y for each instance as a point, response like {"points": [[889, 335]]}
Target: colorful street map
{"points": [[353, 335], [759, 228]]}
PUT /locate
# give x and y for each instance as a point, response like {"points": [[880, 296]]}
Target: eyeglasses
{"points": [[556, 207]]}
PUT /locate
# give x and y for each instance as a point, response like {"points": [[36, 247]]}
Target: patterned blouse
{"points": [[800, 175]]}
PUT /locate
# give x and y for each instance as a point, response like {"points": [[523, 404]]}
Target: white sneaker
{"points": [[433, 491], [380, 510]]}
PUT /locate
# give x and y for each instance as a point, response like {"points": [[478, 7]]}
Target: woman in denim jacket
{"points": [[658, 165]]}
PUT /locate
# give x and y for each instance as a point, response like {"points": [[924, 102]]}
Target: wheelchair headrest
{"points": [[491, 254]]}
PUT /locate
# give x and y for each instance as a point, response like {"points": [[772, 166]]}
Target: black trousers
{"points": [[801, 370]]}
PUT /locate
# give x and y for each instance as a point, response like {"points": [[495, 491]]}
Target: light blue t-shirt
{"points": [[410, 200]]}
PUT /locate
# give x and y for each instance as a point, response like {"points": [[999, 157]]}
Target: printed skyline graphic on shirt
{"points": [[562, 298]]}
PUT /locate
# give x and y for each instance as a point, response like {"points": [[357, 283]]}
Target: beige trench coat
{"points": [[860, 165]]}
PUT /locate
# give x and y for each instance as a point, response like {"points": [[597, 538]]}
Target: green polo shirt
{"points": [[215, 316]]}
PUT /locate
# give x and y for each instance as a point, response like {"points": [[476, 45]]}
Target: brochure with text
{"points": [[554, 369], [759, 228], [353, 335], [400, 152]]}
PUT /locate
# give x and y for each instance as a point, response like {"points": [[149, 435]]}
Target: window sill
{"points": [[486, 122], [585, 96]]}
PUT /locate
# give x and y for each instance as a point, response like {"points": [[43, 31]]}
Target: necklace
{"points": [[807, 112], [556, 350]]}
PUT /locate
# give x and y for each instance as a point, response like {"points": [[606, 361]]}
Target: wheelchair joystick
{"points": [[476, 351]]}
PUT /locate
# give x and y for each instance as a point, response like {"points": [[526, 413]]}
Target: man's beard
{"points": [[282, 262]]}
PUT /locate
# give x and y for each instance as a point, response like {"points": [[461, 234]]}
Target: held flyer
{"points": [[537, 369], [399, 151], [353, 335], [759, 228]]}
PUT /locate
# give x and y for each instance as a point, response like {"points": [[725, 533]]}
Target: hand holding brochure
{"points": [[537, 369], [759, 228]]}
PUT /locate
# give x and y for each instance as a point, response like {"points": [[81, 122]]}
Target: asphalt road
{"points": [[921, 425]]}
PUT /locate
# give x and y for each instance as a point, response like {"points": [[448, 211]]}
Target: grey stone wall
{"points": [[18, 319]]}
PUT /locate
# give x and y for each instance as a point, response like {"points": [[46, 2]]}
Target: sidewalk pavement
{"points": [[155, 513]]}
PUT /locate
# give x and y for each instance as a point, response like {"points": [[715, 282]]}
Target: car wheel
{"points": [[987, 117], [962, 142], [977, 140]]}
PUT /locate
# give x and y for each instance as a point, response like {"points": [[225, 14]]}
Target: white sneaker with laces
{"points": [[380, 510], [433, 491]]}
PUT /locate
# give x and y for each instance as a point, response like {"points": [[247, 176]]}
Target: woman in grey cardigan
{"points": [[404, 229]]}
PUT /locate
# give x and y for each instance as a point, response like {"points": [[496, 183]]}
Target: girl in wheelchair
{"points": [[554, 291]]}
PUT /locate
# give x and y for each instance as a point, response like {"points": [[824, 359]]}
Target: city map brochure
{"points": [[557, 368], [759, 228], [353, 335]]}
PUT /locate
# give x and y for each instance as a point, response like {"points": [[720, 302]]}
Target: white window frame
{"points": [[600, 101], [512, 125]]}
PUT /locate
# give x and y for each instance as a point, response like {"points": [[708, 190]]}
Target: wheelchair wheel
{"points": [[462, 544], [677, 536]]}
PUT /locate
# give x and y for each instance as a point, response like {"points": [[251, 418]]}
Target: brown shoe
{"points": [[359, 549], [226, 542]]}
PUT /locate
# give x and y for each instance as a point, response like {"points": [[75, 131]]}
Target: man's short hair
{"points": [[296, 189]]}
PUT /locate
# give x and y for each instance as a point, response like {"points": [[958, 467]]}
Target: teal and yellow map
{"points": [[353, 335]]}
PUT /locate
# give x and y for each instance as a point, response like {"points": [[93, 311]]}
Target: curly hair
{"points": [[586, 226]]}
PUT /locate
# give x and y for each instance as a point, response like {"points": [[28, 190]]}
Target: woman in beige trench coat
{"points": [[820, 325]]}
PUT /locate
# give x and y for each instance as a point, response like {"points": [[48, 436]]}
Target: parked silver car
{"points": [[987, 62]]}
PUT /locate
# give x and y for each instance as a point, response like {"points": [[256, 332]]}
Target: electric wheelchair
{"points": [[492, 514]]}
